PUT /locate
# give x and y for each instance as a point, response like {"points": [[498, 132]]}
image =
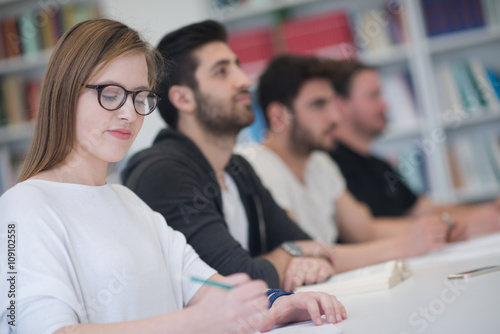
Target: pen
{"points": [[211, 283], [474, 272]]}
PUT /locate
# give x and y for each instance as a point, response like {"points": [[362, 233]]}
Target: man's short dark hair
{"points": [[343, 72], [284, 77], [177, 49]]}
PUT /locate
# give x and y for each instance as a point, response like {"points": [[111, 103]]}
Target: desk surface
{"points": [[430, 303]]}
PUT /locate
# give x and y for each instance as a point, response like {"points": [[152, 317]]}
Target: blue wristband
{"points": [[275, 294]]}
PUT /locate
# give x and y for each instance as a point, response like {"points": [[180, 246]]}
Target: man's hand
{"points": [[459, 233], [426, 233], [317, 249], [305, 306], [306, 270], [482, 219]]}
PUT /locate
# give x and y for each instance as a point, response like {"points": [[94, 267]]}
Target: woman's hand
{"points": [[243, 309], [305, 306]]}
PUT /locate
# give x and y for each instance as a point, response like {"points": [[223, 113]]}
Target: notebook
{"points": [[367, 279]]}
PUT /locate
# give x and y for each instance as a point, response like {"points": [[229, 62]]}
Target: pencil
{"points": [[211, 283]]}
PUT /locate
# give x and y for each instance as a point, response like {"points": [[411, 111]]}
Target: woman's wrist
{"points": [[274, 294]]}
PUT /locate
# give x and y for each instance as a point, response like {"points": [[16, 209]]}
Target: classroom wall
{"points": [[153, 19]]}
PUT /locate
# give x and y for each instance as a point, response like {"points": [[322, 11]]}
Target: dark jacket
{"points": [[176, 180]]}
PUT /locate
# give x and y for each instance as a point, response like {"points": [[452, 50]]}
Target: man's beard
{"points": [[369, 131], [303, 141], [214, 119]]}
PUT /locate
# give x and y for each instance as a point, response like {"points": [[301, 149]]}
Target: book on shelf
{"points": [[48, 32], [3, 50], [465, 164], [491, 9], [18, 99], [325, 35], [474, 162], [457, 177], [491, 145], [30, 38], [402, 111], [373, 278], [12, 87], [468, 95], [378, 28], [495, 81], [485, 84], [72, 13], [32, 94], [3, 110], [11, 38], [468, 87], [254, 48], [39, 29], [446, 16], [411, 166]]}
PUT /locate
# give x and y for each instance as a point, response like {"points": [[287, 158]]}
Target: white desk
{"points": [[430, 303]]}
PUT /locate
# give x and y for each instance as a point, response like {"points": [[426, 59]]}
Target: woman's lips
{"points": [[123, 134]]}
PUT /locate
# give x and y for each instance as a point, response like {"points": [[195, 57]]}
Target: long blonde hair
{"points": [[80, 54]]}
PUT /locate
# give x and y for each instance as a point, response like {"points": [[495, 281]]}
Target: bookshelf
{"points": [[429, 46], [29, 30], [387, 56], [465, 39]]}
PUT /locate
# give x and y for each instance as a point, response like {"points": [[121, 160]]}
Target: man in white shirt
{"points": [[300, 105]]}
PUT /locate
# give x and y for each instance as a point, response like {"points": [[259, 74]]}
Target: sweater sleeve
{"points": [[182, 255], [42, 298], [175, 190]]}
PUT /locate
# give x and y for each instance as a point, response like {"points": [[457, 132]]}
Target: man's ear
{"points": [[182, 97], [279, 116]]}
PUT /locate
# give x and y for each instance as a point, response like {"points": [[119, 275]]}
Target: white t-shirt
{"points": [[234, 212], [312, 203], [91, 254]]}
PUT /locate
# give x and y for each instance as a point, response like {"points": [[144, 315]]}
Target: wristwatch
{"points": [[292, 249]]}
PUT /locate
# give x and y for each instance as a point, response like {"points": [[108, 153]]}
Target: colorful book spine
{"points": [[468, 87], [11, 37], [474, 162], [254, 49], [13, 89], [29, 34], [26, 35], [33, 31], [32, 94], [252, 45], [446, 16], [378, 28], [3, 110], [3, 50], [327, 35]]}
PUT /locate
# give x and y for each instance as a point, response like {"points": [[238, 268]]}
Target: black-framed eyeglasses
{"points": [[112, 97]]}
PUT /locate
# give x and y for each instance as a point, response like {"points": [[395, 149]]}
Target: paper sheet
{"points": [[470, 249], [306, 327]]}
